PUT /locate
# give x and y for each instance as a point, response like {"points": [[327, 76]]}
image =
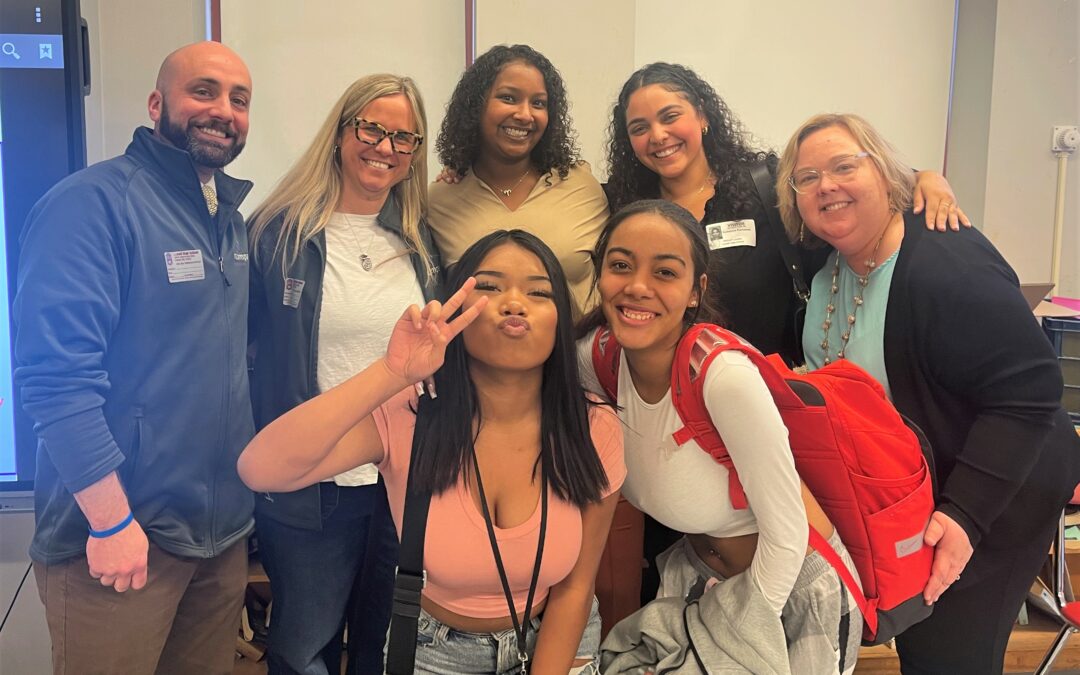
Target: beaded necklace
{"points": [[863, 281]]}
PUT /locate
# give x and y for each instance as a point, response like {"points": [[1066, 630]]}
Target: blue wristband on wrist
{"points": [[101, 534]]}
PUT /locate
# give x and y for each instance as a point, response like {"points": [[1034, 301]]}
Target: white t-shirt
{"points": [[360, 307], [684, 488]]}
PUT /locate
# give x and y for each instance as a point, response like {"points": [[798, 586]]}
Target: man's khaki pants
{"points": [[184, 621]]}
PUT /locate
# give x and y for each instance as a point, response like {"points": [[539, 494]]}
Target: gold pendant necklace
{"points": [[709, 180], [506, 193]]}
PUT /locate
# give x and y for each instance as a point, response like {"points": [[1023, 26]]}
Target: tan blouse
{"points": [[566, 214]]}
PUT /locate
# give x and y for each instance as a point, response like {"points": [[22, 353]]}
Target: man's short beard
{"points": [[203, 153]]}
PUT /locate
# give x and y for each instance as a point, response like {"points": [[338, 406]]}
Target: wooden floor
{"points": [[1027, 646], [1026, 649]]}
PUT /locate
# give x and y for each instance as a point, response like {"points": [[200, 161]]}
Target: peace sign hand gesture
{"points": [[418, 342]]}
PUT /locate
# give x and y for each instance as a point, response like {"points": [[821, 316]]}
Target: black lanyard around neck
{"points": [[521, 629]]}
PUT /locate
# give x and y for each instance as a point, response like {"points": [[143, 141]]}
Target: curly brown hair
{"points": [[725, 148], [459, 144]]}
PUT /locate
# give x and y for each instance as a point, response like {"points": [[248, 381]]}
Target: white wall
{"points": [[775, 63], [778, 63], [302, 56], [589, 42], [795, 62], [1018, 74], [1036, 85], [128, 41], [969, 126]]}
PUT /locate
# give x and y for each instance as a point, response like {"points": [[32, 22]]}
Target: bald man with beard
{"points": [[130, 344]]}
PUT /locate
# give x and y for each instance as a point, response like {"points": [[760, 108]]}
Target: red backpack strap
{"points": [[819, 544], [605, 358], [692, 358]]}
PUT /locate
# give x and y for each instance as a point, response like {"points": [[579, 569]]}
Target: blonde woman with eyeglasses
{"points": [[941, 323], [341, 238]]}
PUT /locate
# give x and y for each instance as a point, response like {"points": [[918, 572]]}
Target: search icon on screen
{"points": [[8, 49]]}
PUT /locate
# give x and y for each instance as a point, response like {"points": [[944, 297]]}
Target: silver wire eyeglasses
{"points": [[372, 133], [842, 169]]}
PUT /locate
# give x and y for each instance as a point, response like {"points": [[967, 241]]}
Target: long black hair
{"points": [[459, 138], [444, 426], [724, 145], [705, 311]]}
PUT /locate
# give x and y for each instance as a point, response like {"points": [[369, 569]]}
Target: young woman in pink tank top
{"points": [[523, 467]]}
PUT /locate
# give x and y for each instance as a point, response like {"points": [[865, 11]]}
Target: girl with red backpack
{"points": [[650, 264]]}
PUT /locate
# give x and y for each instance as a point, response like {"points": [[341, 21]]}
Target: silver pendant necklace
{"points": [[366, 263]]}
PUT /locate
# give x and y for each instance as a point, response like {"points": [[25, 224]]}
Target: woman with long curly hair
{"points": [[672, 137], [508, 140]]}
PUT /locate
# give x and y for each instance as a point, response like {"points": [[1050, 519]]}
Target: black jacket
{"points": [[284, 343], [969, 364]]}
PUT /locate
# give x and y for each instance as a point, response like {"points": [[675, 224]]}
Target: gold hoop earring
{"points": [[705, 131]]}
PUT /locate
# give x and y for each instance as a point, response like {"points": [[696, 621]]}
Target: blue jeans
{"points": [[442, 650], [322, 580]]}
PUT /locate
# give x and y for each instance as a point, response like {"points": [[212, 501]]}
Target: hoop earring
{"points": [[337, 154], [705, 131], [412, 172]]}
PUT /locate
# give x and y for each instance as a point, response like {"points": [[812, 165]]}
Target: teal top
{"points": [[866, 346]]}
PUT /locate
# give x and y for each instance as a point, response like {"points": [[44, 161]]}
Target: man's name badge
{"points": [[731, 233], [184, 266]]}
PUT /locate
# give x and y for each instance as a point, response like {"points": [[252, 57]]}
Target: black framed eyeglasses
{"points": [[372, 133]]}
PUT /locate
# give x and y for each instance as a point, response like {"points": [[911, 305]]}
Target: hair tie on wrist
{"points": [[101, 534]]}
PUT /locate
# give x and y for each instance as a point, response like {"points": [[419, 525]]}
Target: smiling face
{"points": [[368, 172], [665, 131], [201, 104], [516, 330], [516, 113], [850, 214], [647, 282]]}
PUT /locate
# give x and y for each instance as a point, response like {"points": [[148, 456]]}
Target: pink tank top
{"points": [[462, 576]]}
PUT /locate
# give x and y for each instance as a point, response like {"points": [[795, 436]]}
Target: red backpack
{"points": [[869, 468]]}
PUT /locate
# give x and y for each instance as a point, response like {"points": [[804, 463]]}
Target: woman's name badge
{"points": [[293, 289], [731, 233]]}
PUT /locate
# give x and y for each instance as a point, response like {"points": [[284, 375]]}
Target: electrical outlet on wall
{"points": [[1066, 139]]}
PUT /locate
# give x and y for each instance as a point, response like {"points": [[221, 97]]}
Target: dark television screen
{"points": [[42, 139]]}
